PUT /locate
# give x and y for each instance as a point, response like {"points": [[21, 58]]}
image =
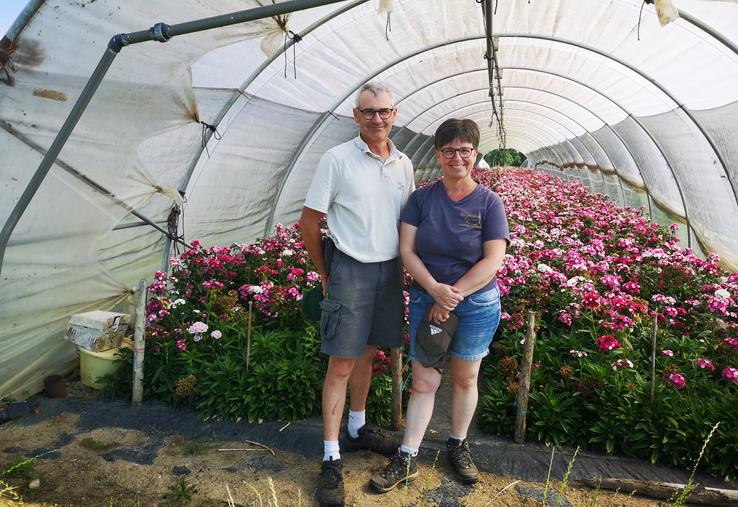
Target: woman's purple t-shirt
{"points": [[450, 234]]}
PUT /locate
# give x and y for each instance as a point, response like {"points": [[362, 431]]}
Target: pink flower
{"points": [[565, 318], [705, 364], [578, 353], [667, 353], [181, 345], [175, 261], [212, 284], [312, 276], [733, 342], [216, 335], [677, 380], [607, 342], [591, 300], [160, 275], [730, 373]]}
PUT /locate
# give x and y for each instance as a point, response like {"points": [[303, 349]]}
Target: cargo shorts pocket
{"points": [[329, 318]]}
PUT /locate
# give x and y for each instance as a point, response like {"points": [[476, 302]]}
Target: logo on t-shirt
{"points": [[472, 221]]}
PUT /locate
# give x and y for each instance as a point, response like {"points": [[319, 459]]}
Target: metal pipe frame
{"points": [[160, 32], [612, 101]]}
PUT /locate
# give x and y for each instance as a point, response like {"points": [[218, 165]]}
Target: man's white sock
{"points": [[355, 421], [330, 450]]}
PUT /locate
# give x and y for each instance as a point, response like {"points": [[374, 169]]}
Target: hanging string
{"points": [[387, 26], [214, 131], [289, 35], [640, 15]]}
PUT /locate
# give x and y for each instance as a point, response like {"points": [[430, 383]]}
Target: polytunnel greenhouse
{"points": [[136, 132]]}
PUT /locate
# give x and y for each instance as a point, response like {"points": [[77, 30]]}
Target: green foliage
{"points": [[283, 379], [504, 157], [119, 383], [21, 468], [96, 445], [181, 491], [194, 448], [585, 402], [379, 401]]}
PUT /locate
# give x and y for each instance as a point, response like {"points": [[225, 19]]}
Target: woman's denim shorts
{"points": [[479, 315]]}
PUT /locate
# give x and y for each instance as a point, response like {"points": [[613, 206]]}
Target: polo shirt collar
{"points": [[361, 144]]}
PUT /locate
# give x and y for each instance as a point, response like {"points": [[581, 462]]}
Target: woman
{"points": [[453, 236]]}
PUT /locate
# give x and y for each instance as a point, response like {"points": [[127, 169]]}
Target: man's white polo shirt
{"points": [[362, 196]]}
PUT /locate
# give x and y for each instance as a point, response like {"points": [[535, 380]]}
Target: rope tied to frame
{"points": [[386, 6], [289, 35], [206, 127]]}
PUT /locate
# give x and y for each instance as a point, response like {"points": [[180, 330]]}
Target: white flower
{"points": [[288, 253], [216, 335], [198, 328], [574, 280], [255, 289], [722, 294], [544, 268], [177, 302]]}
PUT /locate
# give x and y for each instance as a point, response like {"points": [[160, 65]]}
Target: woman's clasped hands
{"points": [[447, 297]]}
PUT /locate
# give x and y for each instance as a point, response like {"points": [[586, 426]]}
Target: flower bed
{"points": [[197, 333], [597, 275]]}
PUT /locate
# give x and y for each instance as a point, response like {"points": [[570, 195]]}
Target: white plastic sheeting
{"points": [[649, 122]]}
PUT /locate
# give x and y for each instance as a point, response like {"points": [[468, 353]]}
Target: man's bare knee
{"points": [[339, 368]]}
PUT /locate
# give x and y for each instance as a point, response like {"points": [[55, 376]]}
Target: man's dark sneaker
{"points": [[460, 458], [401, 468], [374, 439], [330, 484]]}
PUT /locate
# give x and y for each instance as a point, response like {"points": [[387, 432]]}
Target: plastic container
{"points": [[98, 330], [93, 365]]}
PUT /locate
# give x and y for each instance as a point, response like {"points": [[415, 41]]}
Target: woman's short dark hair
{"points": [[451, 129]]}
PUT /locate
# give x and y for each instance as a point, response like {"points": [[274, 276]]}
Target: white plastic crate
{"points": [[98, 330]]}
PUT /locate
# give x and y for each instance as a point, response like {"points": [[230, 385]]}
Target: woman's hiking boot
{"points": [[401, 468], [459, 456]]}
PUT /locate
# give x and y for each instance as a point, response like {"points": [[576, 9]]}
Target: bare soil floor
{"points": [[75, 472]]}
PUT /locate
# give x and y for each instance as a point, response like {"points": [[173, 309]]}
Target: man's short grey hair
{"points": [[377, 89]]}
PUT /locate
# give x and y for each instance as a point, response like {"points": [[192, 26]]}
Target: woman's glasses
{"points": [[449, 153]]}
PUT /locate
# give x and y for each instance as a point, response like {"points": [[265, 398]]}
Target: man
{"points": [[362, 186]]}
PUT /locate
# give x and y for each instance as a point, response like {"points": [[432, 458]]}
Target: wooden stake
{"points": [[521, 400], [654, 329], [396, 356], [138, 344], [248, 337]]}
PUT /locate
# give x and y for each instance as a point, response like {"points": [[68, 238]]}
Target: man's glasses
{"points": [[369, 114], [448, 153]]}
